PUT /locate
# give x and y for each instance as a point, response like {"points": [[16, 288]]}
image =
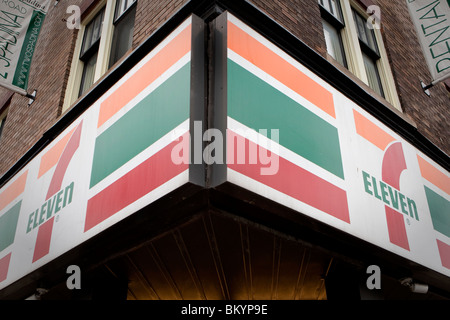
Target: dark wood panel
{"points": [[217, 257]]}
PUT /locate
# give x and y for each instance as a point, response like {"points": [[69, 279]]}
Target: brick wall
{"points": [[152, 14], [48, 75], [431, 114], [53, 56], [50, 71], [300, 17]]}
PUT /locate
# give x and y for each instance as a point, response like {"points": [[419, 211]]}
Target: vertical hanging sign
{"points": [[432, 21], [20, 24]]}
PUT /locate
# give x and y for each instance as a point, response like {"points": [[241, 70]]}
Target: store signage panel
{"points": [[431, 19], [335, 162], [21, 24], [112, 161]]}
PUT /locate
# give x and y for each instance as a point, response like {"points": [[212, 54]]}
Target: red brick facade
{"points": [[49, 74], [55, 49], [430, 114]]}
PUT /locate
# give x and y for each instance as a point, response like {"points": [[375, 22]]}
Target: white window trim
{"points": [[3, 115], [76, 70], [354, 54], [106, 40]]}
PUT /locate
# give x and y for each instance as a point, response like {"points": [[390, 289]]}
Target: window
{"points": [[89, 50], [105, 37], [370, 52], [333, 7], [123, 29], [351, 42], [333, 23]]}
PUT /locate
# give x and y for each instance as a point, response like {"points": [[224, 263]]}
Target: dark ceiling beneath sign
{"points": [[216, 257]]}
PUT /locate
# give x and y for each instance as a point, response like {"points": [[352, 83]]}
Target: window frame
{"points": [[86, 55], [374, 51], [369, 50], [94, 45], [104, 49], [3, 116], [337, 22], [354, 53], [117, 20], [339, 17]]}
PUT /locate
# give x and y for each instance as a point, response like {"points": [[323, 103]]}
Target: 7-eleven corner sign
{"points": [[402, 208]]}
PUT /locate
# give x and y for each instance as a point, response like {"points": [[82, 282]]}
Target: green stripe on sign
{"points": [[8, 226], [439, 210], [26, 54], [258, 105], [161, 111]]}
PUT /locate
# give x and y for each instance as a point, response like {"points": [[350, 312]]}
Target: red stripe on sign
{"points": [[396, 228], [44, 237], [290, 179], [393, 166], [444, 252], [143, 179], [4, 266], [64, 161]]}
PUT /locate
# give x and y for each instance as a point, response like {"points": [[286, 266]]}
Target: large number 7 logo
{"points": [[393, 165], [42, 246]]}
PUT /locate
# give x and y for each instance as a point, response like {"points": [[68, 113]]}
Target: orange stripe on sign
{"points": [[13, 191], [51, 157], [371, 132], [153, 69], [255, 52], [433, 175]]}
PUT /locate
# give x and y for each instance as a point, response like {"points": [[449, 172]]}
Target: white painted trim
{"points": [[105, 40], [76, 70], [352, 44]]}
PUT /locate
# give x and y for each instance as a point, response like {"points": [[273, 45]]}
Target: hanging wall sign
{"points": [[20, 24], [432, 22]]}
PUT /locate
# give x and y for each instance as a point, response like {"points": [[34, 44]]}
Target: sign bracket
{"points": [[31, 96]]}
